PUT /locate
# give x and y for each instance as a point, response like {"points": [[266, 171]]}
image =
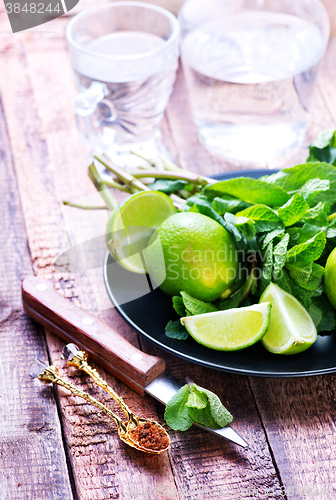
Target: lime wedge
{"points": [[291, 329], [131, 225], [232, 329]]}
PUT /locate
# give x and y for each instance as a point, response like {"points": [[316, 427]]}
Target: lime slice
{"points": [[230, 330], [132, 224], [291, 329]]}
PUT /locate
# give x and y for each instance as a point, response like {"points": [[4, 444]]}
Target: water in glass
{"points": [[250, 80]]}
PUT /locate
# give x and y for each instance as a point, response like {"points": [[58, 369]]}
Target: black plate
{"points": [[150, 313]]}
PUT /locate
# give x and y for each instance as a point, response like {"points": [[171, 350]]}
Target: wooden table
{"points": [[52, 444]]}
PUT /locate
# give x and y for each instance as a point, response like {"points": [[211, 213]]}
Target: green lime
{"points": [[131, 225], [199, 256], [330, 278], [291, 329], [232, 329]]}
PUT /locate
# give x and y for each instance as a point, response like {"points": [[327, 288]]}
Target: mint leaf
{"points": [[168, 186], [198, 199], [176, 414], [280, 256], [331, 230], [238, 237], [306, 274], [208, 211], [267, 269], [237, 297], [196, 399], [307, 231], [246, 226], [316, 313], [313, 187], [293, 210], [310, 250], [315, 278], [203, 417], [241, 242], [318, 214], [251, 191], [270, 237], [324, 147], [294, 178], [228, 203], [219, 413], [300, 271], [323, 314], [179, 306], [196, 306], [265, 218], [193, 403], [289, 285], [174, 330]]}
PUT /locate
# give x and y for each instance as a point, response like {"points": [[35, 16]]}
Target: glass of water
{"points": [[250, 68], [124, 56]]}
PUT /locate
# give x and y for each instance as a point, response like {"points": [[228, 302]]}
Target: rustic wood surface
{"points": [[289, 424]]}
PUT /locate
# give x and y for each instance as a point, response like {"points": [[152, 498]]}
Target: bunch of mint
{"points": [[285, 223], [192, 404]]}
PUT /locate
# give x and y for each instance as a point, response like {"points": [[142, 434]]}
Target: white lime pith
{"points": [[132, 224], [291, 328], [232, 329]]}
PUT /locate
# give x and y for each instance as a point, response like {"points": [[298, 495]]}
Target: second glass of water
{"points": [[124, 56], [250, 68]]}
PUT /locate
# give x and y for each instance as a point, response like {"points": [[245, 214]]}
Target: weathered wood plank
{"points": [[33, 463], [206, 466], [299, 417], [51, 163]]}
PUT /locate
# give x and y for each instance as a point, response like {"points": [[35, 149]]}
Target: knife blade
{"points": [[139, 370]]}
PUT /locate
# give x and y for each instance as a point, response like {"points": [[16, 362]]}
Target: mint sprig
{"points": [[193, 403]]}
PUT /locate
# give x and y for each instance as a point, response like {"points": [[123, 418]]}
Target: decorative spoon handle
{"points": [[50, 375], [78, 359]]}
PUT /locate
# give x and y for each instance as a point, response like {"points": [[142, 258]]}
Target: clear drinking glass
{"points": [[124, 56], [250, 68]]}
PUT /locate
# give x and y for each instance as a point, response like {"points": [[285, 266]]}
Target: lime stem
{"points": [[85, 207], [104, 191]]}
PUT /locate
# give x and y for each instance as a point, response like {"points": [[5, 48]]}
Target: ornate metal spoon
{"points": [[139, 433]]}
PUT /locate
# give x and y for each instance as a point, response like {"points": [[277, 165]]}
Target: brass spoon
{"points": [[125, 432], [77, 358]]}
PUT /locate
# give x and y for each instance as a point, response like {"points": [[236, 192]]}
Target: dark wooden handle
{"points": [[103, 344]]}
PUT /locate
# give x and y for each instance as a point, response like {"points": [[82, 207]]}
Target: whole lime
{"points": [[330, 278], [199, 256]]}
